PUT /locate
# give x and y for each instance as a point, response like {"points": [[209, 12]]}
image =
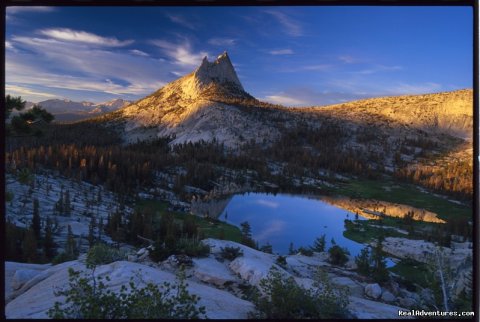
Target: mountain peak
{"points": [[220, 71]]}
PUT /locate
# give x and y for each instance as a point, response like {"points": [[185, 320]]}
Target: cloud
{"points": [[181, 54], [12, 12], [79, 67], [418, 88], [348, 59], [222, 41], [139, 53], [24, 91], [281, 52], [180, 20], [275, 226], [378, 68], [292, 27], [9, 46], [19, 9], [314, 67], [305, 96], [266, 203], [283, 99], [65, 34]]}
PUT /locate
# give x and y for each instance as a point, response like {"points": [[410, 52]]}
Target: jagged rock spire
{"points": [[221, 70]]}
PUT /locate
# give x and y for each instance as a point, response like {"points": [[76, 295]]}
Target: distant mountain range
{"points": [[66, 110]]}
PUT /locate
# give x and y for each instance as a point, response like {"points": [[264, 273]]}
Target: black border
{"points": [[205, 3]]}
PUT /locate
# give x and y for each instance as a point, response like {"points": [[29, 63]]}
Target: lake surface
{"points": [[281, 219]]}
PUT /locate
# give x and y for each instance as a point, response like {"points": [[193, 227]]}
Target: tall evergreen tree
{"points": [[319, 244], [48, 242], [29, 247], [379, 270], [36, 226], [71, 247], [67, 205], [91, 232]]}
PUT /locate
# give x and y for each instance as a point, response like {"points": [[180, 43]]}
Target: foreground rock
{"points": [[218, 281], [35, 302]]}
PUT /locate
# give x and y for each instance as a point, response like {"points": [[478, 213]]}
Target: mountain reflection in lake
{"points": [[281, 219]]}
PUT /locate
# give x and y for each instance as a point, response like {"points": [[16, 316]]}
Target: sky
{"points": [[295, 56]]}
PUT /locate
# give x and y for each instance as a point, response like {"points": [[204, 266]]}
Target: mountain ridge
{"points": [[211, 103]]}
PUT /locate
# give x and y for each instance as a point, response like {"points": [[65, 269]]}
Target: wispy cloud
{"points": [[222, 41], [18, 9], [267, 203], [182, 54], [416, 88], [139, 53], [274, 227], [182, 21], [306, 96], [24, 91], [313, 67], [291, 26], [281, 52], [283, 99], [65, 34], [78, 66], [347, 59], [377, 68], [9, 46], [12, 13]]}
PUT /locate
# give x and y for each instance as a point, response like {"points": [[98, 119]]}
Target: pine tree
{"points": [[363, 262], [100, 229], [29, 247], [48, 242], [379, 269], [67, 204], [91, 232], [36, 227], [59, 204], [291, 250], [319, 244], [71, 246], [247, 235]]}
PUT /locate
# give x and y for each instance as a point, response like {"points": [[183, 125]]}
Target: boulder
{"points": [[356, 289], [12, 267], [209, 270], [388, 297], [22, 276], [407, 302], [373, 291], [132, 258], [367, 309]]}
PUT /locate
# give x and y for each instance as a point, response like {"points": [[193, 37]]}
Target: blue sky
{"points": [[296, 56]]}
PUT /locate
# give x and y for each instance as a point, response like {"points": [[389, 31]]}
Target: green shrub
{"points": [[184, 246], [305, 251], [282, 298], [231, 253], [8, 196], [62, 258], [90, 299], [338, 255], [101, 254], [192, 247], [281, 260]]}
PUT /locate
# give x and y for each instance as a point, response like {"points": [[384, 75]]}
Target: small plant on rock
{"points": [[231, 253], [90, 299]]}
